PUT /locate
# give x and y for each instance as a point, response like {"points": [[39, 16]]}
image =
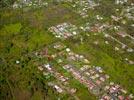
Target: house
{"points": [[102, 79], [130, 50], [73, 90], [58, 88], [117, 49], [40, 68], [17, 61], [98, 82], [47, 66], [64, 30], [120, 97]]}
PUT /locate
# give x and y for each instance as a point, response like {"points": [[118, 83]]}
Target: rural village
{"points": [[84, 52]]}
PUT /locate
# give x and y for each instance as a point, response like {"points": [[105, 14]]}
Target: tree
{"points": [[6, 3]]}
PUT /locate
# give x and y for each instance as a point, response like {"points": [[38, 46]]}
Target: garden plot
{"points": [[64, 30]]}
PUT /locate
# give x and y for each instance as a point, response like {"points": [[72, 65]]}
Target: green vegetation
{"points": [[24, 32], [6, 3]]}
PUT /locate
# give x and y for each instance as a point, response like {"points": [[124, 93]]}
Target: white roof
{"points": [[130, 50], [116, 48], [47, 66], [106, 42], [17, 62], [68, 50], [74, 33]]}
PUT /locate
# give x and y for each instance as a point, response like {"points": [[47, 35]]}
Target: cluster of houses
{"points": [[30, 3], [84, 80], [51, 71], [61, 86], [81, 7], [56, 74], [115, 92], [120, 1], [56, 87], [123, 46], [85, 27], [93, 77], [59, 46], [64, 30], [101, 28], [128, 12], [64, 1], [71, 56]]}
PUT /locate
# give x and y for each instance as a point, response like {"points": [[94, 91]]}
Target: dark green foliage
{"points": [[6, 3]]}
